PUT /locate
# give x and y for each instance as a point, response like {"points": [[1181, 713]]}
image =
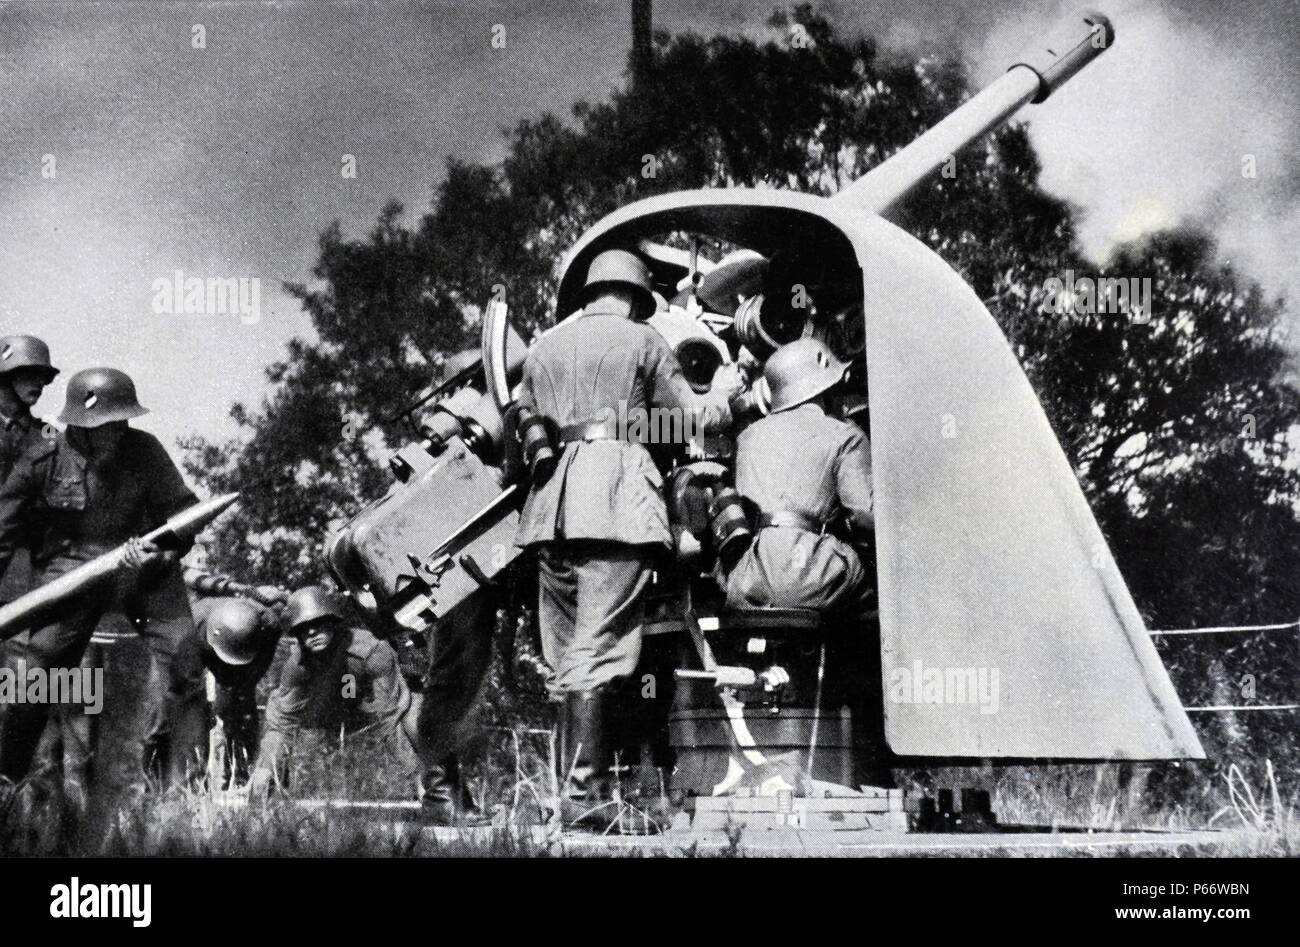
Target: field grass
{"points": [[1256, 818], [1252, 804]]}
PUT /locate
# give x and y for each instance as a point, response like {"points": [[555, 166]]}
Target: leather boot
{"points": [[446, 801], [584, 763]]}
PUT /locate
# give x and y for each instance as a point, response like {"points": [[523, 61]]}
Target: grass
{"points": [[508, 773], [1251, 807]]}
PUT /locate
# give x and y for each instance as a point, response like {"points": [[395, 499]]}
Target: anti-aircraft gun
{"points": [[986, 551]]}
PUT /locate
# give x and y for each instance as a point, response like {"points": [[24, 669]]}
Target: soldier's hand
{"points": [[774, 677], [141, 553], [728, 381], [270, 596]]}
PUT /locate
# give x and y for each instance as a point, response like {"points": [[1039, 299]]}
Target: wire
{"points": [[1225, 629]]}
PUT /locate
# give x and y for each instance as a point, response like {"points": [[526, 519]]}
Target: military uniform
{"points": [[18, 435], [600, 519], [67, 511], [67, 748], [599, 522], [457, 674], [234, 701], [804, 470], [354, 685]]}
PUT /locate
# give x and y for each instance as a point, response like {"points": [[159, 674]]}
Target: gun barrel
{"points": [[1032, 79], [38, 604]]}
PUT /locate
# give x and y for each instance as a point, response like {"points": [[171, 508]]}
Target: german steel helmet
{"points": [[25, 351], [309, 604], [98, 396], [234, 631], [621, 268], [800, 371]]}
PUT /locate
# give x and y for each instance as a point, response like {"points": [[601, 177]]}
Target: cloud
{"points": [[1192, 117]]}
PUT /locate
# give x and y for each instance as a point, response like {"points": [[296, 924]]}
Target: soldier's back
{"points": [[789, 461], [586, 366]]}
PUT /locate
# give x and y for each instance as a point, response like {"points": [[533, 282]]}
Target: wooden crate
{"points": [[875, 809]]}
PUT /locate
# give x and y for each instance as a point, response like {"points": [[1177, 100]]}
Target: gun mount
{"points": [[997, 511]]}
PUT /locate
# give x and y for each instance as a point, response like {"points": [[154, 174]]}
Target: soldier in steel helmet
{"points": [[809, 475], [238, 632], [599, 521], [70, 499], [338, 675], [25, 371], [236, 640]]}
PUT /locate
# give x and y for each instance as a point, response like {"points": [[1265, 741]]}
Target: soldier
{"points": [[25, 370], [453, 685], [338, 675], [803, 470], [236, 641], [599, 521], [95, 486]]}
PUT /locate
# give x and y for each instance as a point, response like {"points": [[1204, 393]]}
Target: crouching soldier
{"points": [[236, 641], [805, 472], [339, 676], [91, 489]]}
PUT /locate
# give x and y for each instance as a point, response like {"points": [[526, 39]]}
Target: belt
{"points": [[790, 519], [590, 431]]}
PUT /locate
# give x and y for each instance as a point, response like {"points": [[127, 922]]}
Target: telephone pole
{"points": [[642, 40]]}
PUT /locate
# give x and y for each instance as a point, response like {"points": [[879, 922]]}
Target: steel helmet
{"points": [[800, 371], [25, 351], [234, 631], [98, 396], [620, 268], [310, 603]]}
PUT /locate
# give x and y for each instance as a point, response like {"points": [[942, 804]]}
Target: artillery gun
{"points": [[989, 563]]}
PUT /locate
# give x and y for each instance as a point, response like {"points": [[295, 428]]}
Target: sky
{"points": [[225, 162]]}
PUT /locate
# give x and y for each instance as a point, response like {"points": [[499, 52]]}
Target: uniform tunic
{"points": [[600, 517], [66, 512], [17, 435], [801, 461], [356, 684]]}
